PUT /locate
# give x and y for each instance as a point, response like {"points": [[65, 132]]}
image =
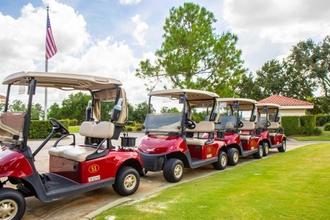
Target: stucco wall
{"points": [[292, 112]]}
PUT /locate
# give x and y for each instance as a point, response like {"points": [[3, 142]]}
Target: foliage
{"points": [[169, 110], [308, 123], [140, 112], [322, 119], [302, 74], [321, 105], [128, 128], [193, 56], [37, 112], [274, 186], [73, 107], [39, 129], [327, 127], [290, 125], [317, 131]]}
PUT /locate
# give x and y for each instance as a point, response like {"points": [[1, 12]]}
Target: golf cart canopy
{"points": [[193, 96], [63, 81]]}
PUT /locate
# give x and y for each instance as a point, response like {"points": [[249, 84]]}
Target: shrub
{"points": [[317, 131], [73, 122], [322, 119], [138, 128], [327, 127], [128, 128]]}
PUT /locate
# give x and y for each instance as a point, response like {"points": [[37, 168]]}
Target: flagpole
{"points": [[46, 67], [46, 70], [51, 50]]}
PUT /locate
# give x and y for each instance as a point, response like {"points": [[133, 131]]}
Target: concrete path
{"points": [[88, 205]]}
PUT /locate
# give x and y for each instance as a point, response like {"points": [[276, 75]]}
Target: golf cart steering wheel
{"points": [[240, 124], [58, 126], [190, 123]]}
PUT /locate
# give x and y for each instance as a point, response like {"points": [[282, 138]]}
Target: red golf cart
{"points": [[236, 127], [174, 140], [73, 168], [269, 120]]}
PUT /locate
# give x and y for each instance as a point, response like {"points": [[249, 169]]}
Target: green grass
{"points": [[291, 185], [74, 129], [325, 136]]}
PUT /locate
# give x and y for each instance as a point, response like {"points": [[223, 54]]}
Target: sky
{"points": [[110, 37]]}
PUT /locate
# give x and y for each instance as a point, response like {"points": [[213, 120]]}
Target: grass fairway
{"points": [[291, 185]]}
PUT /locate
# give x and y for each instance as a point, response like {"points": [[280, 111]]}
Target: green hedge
{"points": [[321, 120], [294, 125], [41, 129]]}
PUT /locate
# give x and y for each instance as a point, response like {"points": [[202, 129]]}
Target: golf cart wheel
{"points": [[127, 181], [12, 204], [265, 148], [173, 170], [259, 153], [233, 156], [221, 164], [283, 147]]}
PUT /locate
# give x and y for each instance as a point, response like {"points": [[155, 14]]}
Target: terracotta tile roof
{"points": [[2, 97], [285, 101]]}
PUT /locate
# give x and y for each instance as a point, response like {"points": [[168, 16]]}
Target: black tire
{"points": [[221, 164], [265, 148], [233, 156], [12, 204], [127, 181], [283, 147], [259, 153], [173, 170]]}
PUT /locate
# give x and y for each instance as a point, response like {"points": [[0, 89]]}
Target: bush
{"points": [[317, 131], [139, 128], [73, 122], [322, 119], [327, 127], [128, 128]]}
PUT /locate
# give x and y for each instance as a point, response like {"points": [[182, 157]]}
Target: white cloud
{"points": [[129, 2], [23, 49], [140, 30], [268, 29]]}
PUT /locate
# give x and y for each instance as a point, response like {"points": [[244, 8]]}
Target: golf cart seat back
{"points": [[11, 126], [201, 128], [104, 130], [247, 126], [274, 128]]}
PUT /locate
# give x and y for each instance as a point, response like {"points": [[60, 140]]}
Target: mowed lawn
{"points": [[290, 185]]}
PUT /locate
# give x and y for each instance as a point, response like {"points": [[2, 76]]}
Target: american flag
{"points": [[50, 42]]}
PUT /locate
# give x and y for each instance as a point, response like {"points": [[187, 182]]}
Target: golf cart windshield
{"points": [[167, 122]]}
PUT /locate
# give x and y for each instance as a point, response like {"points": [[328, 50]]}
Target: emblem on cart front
{"points": [[93, 168]]}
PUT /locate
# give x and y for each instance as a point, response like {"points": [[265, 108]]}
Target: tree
{"points": [[192, 56], [73, 107], [55, 111], [312, 61], [140, 112], [169, 110], [247, 87], [17, 106], [37, 112]]}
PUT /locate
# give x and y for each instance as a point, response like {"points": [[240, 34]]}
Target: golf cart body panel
{"points": [[173, 137], [14, 165], [74, 168]]}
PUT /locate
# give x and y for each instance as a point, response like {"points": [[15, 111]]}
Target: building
{"points": [[2, 99], [289, 106]]}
